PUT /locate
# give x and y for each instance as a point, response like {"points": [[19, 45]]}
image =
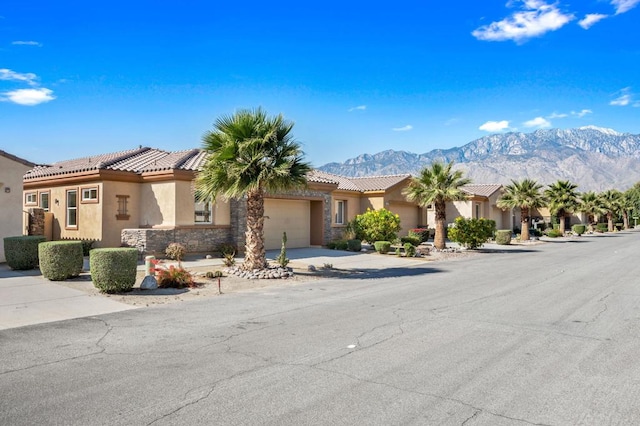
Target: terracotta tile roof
{"points": [[137, 161], [378, 183], [16, 159], [324, 177], [482, 190]]}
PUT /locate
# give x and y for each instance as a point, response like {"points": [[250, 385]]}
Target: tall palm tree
{"points": [[591, 205], [437, 185], [251, 154], [525, 195], [562, 199], [610, 200], [626, 205]]}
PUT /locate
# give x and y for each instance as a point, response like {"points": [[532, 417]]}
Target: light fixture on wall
{"points": [[57, 201], [7, 189]]}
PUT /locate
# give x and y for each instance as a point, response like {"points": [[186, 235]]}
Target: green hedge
{"points": [[113, 269], [554, 233], [382, 246], [21, 252], [503, 237], [602, 227], [579, 229], [60, 260], [409, 250], [421, 233], [354, 245], [411, 239]]}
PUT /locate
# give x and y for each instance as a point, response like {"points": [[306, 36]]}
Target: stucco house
{"points": [[12, 169], [481, 203]]}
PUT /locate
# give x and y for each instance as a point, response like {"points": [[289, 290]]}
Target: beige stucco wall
{"points": [[409, 215], [111, 226], [158, 204], [185, 203], [11, 203]]}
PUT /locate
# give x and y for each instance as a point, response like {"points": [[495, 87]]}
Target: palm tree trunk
{"points": [[562, 220], [255, 256], [610, 222], [625, 219], [524, 224], [441, 223]]}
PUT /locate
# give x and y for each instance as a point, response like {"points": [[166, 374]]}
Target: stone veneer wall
{"points": [[36, 221], [196, 240]]}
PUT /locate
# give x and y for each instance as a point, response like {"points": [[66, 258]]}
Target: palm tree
{"points": [[437, 185], [591, 205], [249, 155], [524, 195], [626, 205], [610, 200], [562, 199]]}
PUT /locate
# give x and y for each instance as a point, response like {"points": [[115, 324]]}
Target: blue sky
{"points": [[81, 78]]}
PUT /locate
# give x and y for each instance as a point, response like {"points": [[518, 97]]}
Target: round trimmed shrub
{"points": [[113, 269], [409, 250], [503, 236], [60, 260], [21, 252], [579, 229], [382, 247], [411, 239], [354, 245]]}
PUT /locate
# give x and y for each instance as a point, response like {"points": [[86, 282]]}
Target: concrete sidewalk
{"points": [[27, 298]]}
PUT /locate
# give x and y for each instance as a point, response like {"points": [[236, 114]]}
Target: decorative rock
{"points": [[272, 272], [311, 268], [208, 256], [149, 283]]}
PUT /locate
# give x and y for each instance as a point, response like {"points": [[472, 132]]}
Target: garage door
{"points": [[409, 216], [290, 216]]}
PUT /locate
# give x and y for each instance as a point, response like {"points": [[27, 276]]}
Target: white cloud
{"points": [[623, 6], [7, 74], [538, 122], [581, 113], [28, 97], [358, 108], [624, 99], [591, 19], [27, 43], [403, 129], [536, 19], [557, 115], [495, 126]]}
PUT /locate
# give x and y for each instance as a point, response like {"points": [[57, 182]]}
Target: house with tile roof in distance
{"points": [[354, 195], [481, 203], [12, 169]]}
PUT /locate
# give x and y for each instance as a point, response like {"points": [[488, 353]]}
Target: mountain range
{"points": [[595, 158]]}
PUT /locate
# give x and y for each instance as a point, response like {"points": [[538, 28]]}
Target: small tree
{"points": [[472, 233], [376, 225]]}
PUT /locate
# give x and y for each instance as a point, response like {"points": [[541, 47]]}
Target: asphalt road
{"points": [[543, 335]]}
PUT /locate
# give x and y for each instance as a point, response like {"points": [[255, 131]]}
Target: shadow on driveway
{"points": [[369, 273]]}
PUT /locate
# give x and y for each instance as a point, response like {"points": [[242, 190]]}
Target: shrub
{"points": [[354, 245], [113, 269], [579, 229], [282, 257], [21, 252], [175, 251], [421, 233], [174, 277], [229, 259], [227, 248], [409, 250], [471, 233], [553, 233], [503, 236], [413, 240], [398, 252], [602, 227], [382, 246], [376, 225], [60, 260]]}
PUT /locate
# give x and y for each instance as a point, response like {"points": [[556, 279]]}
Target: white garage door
{"points": [[409, 217], [290, 216]]}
